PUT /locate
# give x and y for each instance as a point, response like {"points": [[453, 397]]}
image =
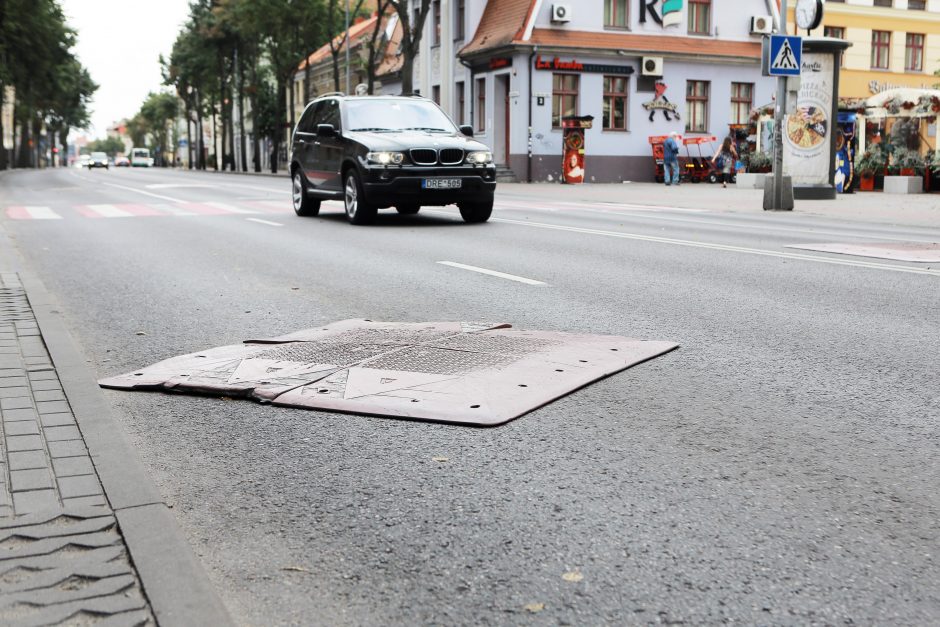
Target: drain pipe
{"points": [[472, 85], [531, 71]]}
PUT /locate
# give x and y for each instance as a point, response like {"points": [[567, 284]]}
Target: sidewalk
{"points": [[84, 536]]}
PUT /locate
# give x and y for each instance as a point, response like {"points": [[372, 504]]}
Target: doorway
{"points": [[501, 120]]}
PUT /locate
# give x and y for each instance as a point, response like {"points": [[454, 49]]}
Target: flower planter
{"points": [[908, 172], [904, 185], [867, 183]]}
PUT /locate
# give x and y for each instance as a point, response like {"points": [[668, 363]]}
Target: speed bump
{"points": [[455, 372]]}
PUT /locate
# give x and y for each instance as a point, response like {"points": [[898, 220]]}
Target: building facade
{"points": [[895, 43]]}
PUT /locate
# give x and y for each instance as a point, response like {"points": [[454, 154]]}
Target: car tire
{"points": [[408, 210], [358, 210], [304, 206], [713, 178], [476, 212]]}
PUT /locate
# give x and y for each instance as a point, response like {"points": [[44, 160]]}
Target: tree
{"points": [[410, 39], [337, 14], [113, 146], [378, 43], [158, 112]]}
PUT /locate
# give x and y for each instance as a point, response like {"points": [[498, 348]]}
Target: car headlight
{"points": [[479, 156], [385, 158]]}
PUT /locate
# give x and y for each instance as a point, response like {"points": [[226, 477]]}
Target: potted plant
{"points": [[910, 163], [870, 165], [758, 162]]}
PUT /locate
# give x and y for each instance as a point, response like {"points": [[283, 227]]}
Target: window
{"points": [[615, 13], [742, 101], [481, 104], [696, 107], [460, 103], [436, 94], [914, 52], [836, 32], [615, 103], [330, 114], [880, 49], [700, 16], [564, 97], [436, 8], [917, 5], [884, 3], [460, 20]]}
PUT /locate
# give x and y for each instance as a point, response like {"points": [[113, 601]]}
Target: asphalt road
{"points": [[781, 467]]}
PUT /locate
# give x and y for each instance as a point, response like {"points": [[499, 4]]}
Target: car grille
{"points": [[424, 156], [451, 156]]}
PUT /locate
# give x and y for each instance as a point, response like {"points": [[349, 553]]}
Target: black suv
{"points": [[374, 152]]}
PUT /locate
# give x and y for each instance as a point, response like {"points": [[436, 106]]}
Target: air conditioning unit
{"points": [[561, 13], [652, 66], [762, 25]]}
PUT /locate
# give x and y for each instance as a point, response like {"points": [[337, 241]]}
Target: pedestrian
{"points": [[724, 159], [671, 159]]}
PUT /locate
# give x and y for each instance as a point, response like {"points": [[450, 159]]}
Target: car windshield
{"points": [[396, 115], [141, 152], [98, 155]]}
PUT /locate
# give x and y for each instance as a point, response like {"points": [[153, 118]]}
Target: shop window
{"points": [[615, 103], [880, 49], [884, 3], [460, 103], [460, 20], [742, 101], [564, 97], [917, 5], [700, 16], [436, 14], [914, 52], [481, 105], [836, 32], [615, 13], [696, 107]]}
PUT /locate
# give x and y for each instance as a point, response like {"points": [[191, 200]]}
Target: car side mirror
{"points": [[326, 130], [467, 130]]}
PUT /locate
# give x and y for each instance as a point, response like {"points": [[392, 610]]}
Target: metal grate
{"points": [[332, 353], [424, 156], [451, 156], [438, 361], [500, 344]]}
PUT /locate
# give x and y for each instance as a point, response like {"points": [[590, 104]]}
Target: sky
{"points": [[120, 42]]}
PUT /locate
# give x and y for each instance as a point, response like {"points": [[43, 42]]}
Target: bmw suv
{"points": [[376, 152]]}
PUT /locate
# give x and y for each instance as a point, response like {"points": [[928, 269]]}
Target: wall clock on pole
{"points": [[809, 14]]}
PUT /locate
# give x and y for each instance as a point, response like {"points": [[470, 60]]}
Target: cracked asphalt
{"points": [[781, 467]]}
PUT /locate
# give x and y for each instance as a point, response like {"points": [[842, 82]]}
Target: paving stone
{"points": [[13, 415], [6, 511], [24, 443], [48, 395], [19, 402], [57, 420], [11, 382], [83, 485], [68, 448], [10, 361], [97, 500], [36, 386], [45, 374], [9, 392], [34, 501], [22, 427], [12, 372], [56, 434], [72, 466], [36, 361], [27, 460], [36, 479], [27, 332], [52, 407], [9, 350]]}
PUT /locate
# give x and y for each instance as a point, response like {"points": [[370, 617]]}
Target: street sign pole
{"points": [[776, 203]]}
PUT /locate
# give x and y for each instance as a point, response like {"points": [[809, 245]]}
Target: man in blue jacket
{"points": [[671, 159]]}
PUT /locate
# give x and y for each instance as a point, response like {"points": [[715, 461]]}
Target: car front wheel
{"points": [[358, 210], [475, 212], [303, 205]]}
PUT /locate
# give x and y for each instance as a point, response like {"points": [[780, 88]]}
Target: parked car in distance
{"points": [[375, 152], [122, 162], [82, 161], [98, 160], [140, 158]]}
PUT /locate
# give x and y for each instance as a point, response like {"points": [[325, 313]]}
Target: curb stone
{"points": [[172, 579]]}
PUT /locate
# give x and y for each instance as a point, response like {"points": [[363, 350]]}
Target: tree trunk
{"points": [[201, 142], [215, 139], [240, 69], [52, 153], [253, 98], [279, 130], [3, 150], [37, 133], [64, 140], [23, 156], [189, 137], [407, 72]]}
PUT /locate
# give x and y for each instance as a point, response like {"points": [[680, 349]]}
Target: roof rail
{"points": [[331, 93]]}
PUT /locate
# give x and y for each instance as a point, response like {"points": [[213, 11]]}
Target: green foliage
{"points": [[110, 145], [873, 161]]}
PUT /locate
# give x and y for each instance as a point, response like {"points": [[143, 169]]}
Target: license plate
{"points": [[442, 183]]}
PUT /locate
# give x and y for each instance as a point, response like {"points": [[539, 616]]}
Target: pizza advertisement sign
{"points": [[807, 139]]}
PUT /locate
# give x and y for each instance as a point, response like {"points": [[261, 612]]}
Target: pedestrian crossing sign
{"points": [[784, 55]]}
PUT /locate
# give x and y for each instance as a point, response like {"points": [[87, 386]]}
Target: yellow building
{"points": [[895, 43]]}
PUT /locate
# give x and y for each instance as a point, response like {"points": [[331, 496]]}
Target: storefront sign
{"points": [[669, 15], [574, 65], [500, 62], [661, 103], [807, 139], [876, 87]]}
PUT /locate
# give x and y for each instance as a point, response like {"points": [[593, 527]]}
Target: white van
{"points": [[140, 158]]}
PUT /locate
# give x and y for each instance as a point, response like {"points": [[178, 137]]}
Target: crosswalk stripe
{"points": [[230, 208], [32, 213], [173, 210], [104, 211]]}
